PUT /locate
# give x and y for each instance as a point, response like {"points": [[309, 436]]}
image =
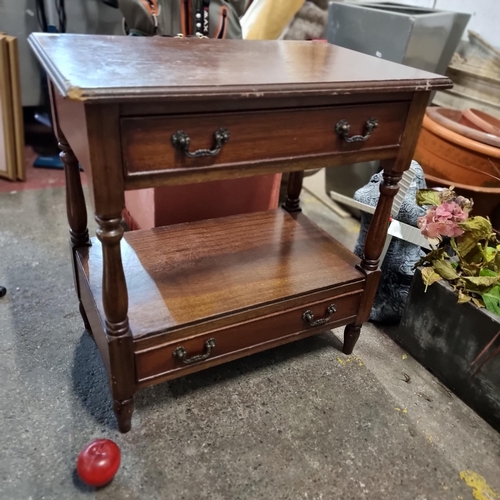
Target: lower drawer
{"points": [[193, 353]]}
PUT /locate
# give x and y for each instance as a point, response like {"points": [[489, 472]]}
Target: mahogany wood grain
{"points": [[190, 106], [159, 361], [411, 132], [393, 171], [117, 101], [187, 273], [96, 321], [75, 201], [294, 187], [351, 336], [260, 167], [375, 239], [76, 210], [268, 344], [254, 136], [117, 68], [108, 190], [72, 123], [214, 323]]}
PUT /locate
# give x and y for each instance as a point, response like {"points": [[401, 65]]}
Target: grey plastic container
{"points": [[418, 37]]}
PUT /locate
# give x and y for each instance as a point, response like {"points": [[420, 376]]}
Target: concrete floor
{"points": [[299, 422]]}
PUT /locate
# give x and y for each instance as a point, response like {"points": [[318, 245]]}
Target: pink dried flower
{"points": [[451, 210], [442, 221]]}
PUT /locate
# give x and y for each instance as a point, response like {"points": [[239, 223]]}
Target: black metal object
{"points": [[343, 128], [308, 316], [182, 141], [181, 353]]}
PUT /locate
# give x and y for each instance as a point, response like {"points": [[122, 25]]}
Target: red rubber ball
{"points": [[98, 462]]}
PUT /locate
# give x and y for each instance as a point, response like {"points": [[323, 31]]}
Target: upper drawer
{"points": [[256, 135]]}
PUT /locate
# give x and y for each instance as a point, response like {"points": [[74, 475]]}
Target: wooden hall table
{"points": [[143, 112]]}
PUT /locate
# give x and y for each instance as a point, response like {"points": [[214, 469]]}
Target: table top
{"points": [[117, 68]]}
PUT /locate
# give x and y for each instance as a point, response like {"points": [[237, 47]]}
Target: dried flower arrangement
{"points": [[465, 250]]}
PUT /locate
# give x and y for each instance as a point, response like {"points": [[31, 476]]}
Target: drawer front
{"points": [[255, 136], [176, 358]]}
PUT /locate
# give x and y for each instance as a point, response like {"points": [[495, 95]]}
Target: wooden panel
{"points": [[7, 141], [255, 136], [17, 106], [93, 67], [159, 361], [95, 320], [239, 170], [188, 106], [188, 273]]}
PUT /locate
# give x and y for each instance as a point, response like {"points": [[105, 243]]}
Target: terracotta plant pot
{"points": [[486, 199], [456, 121], [456, 158], [484, 121]]}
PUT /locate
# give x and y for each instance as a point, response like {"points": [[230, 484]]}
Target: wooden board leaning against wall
{"points": [[11, 112]]}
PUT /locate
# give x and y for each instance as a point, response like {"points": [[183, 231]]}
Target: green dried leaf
{"points": [[481, 283], [489, 254], [476, 256], [492, 299], [478, 302], [467, 242], [432, 256], [428, 197], [463, 298], [478, 226], [445, 270], [487, 272], [453, 244], [470, 269], [429, 276]]}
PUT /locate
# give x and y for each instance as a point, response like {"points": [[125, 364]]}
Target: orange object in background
{"points": [[155, 207], [483, 120], [486, 200], [457, 121], [449, 158], [456, 158]]}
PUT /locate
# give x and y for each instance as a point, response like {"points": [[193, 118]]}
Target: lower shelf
{"points": [[246, 281]]}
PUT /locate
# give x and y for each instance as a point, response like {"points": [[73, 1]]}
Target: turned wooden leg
{"points": [[115, 304], [123, 410], [377, 232], [76, 211], [292, 202], [374, 245], [75, 201], [351, 336]]}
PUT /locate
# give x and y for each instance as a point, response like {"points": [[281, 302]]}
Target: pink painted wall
{"points": [[176, 204], [141, 205]]}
